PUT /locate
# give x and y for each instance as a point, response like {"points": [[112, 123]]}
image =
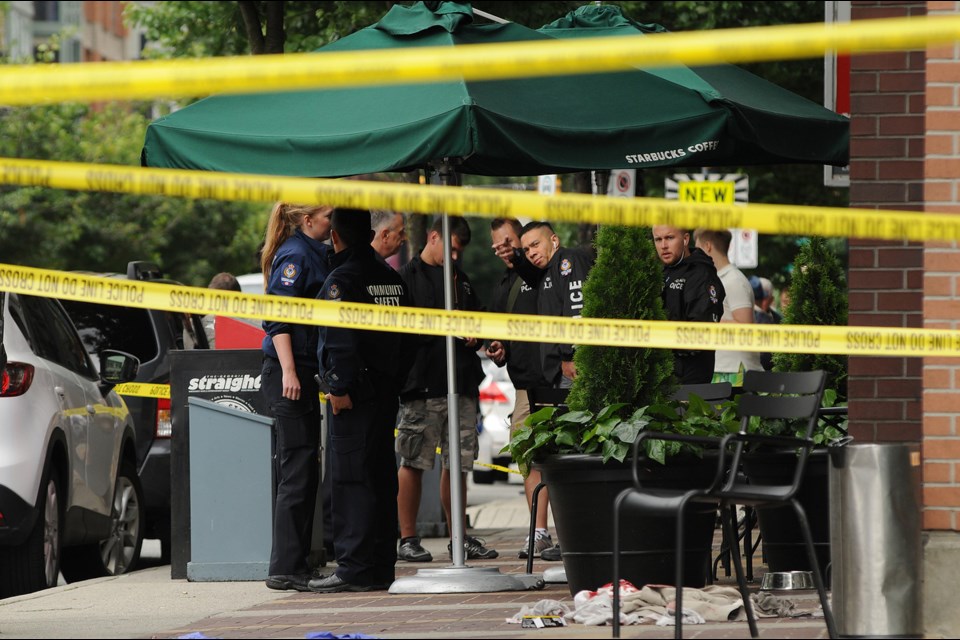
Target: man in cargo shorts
{"points": [[423, 408]]}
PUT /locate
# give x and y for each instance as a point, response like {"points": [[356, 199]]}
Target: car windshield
{"points": [[123, 328]]}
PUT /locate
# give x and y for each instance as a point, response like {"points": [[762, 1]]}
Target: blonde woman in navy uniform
{"points": [[295, 264]]}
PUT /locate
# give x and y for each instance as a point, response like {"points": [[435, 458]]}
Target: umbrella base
{"points": [[465, 580]]}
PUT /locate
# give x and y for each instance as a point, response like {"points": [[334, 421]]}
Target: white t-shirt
{"points": [[739, 296]]}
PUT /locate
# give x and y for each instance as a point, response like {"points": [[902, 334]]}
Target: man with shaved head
{"points": [[692, 292]]}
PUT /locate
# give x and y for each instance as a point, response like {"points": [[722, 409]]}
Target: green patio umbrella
{"points": [[764, 124], [633, 118]]}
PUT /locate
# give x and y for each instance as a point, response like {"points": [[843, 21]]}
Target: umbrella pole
{"points": [[457, 508], [457, 578]]}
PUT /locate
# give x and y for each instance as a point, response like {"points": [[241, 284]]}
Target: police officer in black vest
{"points": [[361, 371], [692, 292]]}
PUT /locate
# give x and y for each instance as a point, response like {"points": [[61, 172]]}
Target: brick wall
{"points": [[941, 376], [886, 278], [106, 15]]}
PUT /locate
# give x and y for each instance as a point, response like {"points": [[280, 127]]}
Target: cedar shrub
{"points": [[817, 297], [625, 282]]}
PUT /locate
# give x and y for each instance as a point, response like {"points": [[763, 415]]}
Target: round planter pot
{"points": [[782, 542], [582, 493]]}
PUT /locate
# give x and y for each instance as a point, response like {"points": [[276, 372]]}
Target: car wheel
{"points": [[35, 564], [119, 552], [484, 476], [166, 549]]}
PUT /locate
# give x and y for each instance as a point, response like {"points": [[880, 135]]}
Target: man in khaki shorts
{"points": [[423, 399]]}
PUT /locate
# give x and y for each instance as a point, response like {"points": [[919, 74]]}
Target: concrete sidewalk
{"points": [[148, 604]]}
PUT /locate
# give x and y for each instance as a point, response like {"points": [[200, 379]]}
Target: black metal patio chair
{"points": [[716, 393], [712, 392], [767, 396]]}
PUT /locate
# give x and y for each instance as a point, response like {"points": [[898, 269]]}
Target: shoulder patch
{"points": [[333, 293], [289, 273]]}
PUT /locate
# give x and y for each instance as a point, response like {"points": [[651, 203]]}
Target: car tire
{"points": [[35, 564], [120, 551], [166, 549], [484, 476]]}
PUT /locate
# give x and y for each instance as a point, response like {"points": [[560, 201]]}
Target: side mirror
{"points": [[117, 367]]}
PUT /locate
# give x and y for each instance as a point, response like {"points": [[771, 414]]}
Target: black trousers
{"points": [[364, 469], [297, 433]]}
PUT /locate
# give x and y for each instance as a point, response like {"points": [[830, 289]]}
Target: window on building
{"points": [[46, 11]]}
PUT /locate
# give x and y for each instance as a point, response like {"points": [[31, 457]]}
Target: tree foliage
{"points": [[817, 297], [624, 283], [187, 29], [100, 231]]}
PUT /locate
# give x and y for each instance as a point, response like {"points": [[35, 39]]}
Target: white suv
{"points": [[69, 493]]}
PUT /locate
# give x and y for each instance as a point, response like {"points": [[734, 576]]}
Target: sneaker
{"points": [[475, 549], [412, 551], [541, 542], [552, 554]]}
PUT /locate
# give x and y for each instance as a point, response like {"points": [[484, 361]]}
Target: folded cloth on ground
{"points": [[541, 608], [713, 603], [654, 603], [689, 617], [599, 611]]}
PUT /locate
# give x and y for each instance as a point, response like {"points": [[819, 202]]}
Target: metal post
{"points": [[457, 578], [457, 508]]}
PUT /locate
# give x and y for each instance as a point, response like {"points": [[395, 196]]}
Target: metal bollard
{"points": [[875, 541]]}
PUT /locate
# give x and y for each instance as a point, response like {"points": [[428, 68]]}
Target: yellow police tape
{"points": [[160, 391], [877, 341], [495, 467], [30, 84], [120, 412], [477, 463], [144, 390], [571, 207]]}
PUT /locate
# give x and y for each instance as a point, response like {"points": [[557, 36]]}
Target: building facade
{"points": [[905, 155], [68, 31]]}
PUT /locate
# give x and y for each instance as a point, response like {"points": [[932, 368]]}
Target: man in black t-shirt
{"points": [[423, 400]]}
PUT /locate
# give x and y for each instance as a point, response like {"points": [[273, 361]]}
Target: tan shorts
{"points": [[521, 409], [423, 427]]}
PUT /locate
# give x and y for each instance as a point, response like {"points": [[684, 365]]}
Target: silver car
{"points": [[69, 493]]}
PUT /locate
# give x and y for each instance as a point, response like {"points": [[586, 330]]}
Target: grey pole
{"points": [[457, 508], [458, 578]]}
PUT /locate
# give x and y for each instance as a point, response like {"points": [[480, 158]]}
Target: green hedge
{"points": [[818, 296], [624, 283]]}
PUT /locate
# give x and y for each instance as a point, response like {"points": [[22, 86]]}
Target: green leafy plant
{"points": [[829, 430], [611, 434]]}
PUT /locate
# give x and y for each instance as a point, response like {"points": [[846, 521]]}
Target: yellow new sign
{"points": [[707, 192]]}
